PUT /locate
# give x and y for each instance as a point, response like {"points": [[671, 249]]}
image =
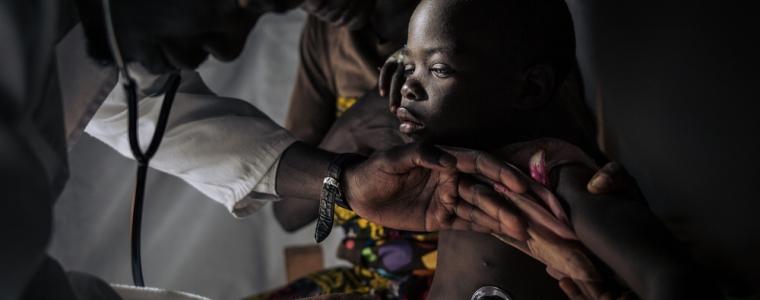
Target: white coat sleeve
{"points": [[224, 147]]}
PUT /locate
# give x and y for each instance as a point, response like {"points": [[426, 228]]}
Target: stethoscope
{"points": [[142, 157]]}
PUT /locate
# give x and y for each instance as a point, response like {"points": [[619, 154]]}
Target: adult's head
{"points": [[165, 35], [389, 18], [478, 70]]}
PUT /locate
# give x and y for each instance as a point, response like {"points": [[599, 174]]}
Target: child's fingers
{"points": [[386, 74], [395, 89]]}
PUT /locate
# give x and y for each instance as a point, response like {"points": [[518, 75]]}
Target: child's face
{"points": [[460, 83]]}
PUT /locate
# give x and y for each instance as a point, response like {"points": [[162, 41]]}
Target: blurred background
{"points": [[190, 243]]}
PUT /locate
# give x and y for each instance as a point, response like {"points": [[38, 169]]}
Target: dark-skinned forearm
{"points": [[293, 213], [301, 171], [622, 231]]}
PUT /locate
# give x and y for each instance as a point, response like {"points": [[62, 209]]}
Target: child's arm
{"points": [[622, 231]]}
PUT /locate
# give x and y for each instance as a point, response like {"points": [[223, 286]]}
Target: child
{"points": [[485, 74], [466, 86]]}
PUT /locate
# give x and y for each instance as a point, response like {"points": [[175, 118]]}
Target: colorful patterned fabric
{"points": [[387, 264], [355, 280], [343, 104], [391, 253]]}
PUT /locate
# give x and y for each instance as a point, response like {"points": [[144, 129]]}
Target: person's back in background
{"points": [[674, 86]]}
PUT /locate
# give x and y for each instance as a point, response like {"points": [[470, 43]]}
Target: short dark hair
{"points": [[533, 31]]}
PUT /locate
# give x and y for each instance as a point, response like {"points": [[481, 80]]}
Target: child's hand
{"points": [[365, 128], [391, 79]]}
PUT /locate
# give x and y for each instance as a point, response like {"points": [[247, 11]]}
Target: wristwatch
{"points": [[332, 194]]}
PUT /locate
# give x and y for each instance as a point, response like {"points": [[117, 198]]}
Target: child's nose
{"points": [[412, 90]]}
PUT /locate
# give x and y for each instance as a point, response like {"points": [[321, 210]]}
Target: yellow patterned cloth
{"points": [[343, 104]]}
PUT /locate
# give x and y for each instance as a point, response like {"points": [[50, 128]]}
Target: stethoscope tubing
{"points": [[142, 157]]}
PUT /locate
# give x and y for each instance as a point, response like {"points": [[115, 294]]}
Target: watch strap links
{"points": [[332, 194]]}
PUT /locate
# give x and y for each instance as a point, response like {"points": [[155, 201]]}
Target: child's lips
{"points": [[409, 123]]}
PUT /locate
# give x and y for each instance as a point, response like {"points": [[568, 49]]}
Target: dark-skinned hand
{"points": [[419, 187]]}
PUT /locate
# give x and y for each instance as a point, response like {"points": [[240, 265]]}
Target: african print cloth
{"points": [[387, 264]]}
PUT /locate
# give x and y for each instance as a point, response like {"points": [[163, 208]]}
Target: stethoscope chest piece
{"points": [[490, 293]]}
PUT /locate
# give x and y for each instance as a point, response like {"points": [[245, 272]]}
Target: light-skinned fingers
{"points": [[592, 290], [482, 164], [570, 289], [476, 216], [554, 273], [550, 200], [493, 205], [535, 212], [464, 225]]}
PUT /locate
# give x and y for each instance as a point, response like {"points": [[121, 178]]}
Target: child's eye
{"points": [[408, 70], [441, 71]]}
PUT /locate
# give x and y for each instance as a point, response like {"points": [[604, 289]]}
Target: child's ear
{"points": [[538, 84]]}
